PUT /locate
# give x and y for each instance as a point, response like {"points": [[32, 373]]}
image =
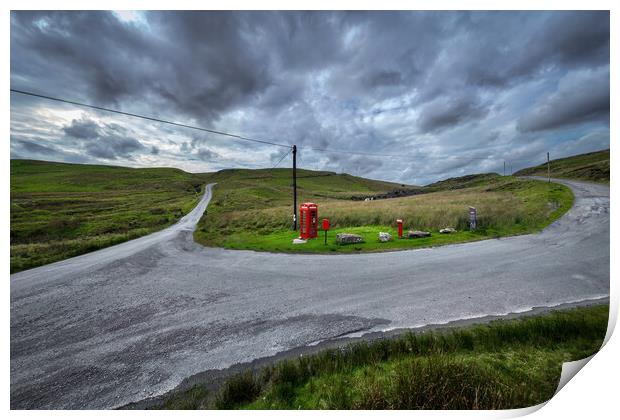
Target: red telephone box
{"points": [[308, 220]]}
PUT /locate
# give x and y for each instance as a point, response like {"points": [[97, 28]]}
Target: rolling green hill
{"points": [[60, 210], [467, 181], [587, 167]]}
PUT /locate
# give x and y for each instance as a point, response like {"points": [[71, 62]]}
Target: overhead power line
{"points": [[144, 117], [236, 136], [282, 158]]}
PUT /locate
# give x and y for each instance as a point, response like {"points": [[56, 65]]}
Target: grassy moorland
{"points": [[252, 210], [61, 210], [501, 365], [587, 167]]}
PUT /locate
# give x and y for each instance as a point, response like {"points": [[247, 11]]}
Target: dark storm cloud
{"points": [[83, 129], [450, 111], [501, 48], [109, 141], [436, 83], [38, 148], [90, 49], [384, 78], [580, 97], [113, 147], [205, 154]]}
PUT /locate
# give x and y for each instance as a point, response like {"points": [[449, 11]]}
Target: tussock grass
{"points": [[503, 364]]}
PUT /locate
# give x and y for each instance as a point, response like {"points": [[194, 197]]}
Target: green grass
{"points": [[61, 210], [587, 167], [255, 213], [500, 365]]}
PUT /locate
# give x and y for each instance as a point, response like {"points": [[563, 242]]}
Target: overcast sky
{"points": [[444, 89]]}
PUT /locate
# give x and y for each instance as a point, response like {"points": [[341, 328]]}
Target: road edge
{"points": [[212, 379]]}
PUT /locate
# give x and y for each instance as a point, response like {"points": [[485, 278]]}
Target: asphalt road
{"points": [[132, 321]]}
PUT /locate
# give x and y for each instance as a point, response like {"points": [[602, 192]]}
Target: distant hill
{"points": [[60, 210], [466, 181], [274, 185], [588, 167]]}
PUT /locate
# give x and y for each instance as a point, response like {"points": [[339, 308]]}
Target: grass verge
{"points": [[500, 365]]}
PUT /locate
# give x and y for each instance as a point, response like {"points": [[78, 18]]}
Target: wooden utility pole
{"points": [[548, 169], [294, 187]]}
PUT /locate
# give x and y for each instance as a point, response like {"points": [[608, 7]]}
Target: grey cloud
{"points": [[205, 154], [37, 148], [581, 96], [82, 129], [521, 44], [186, 147], [374, 82], [109, 141], [112, 147], [384, 78], [593, 141], [449, 111]]}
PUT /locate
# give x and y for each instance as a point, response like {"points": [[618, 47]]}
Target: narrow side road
{"points": [[132, 321]]}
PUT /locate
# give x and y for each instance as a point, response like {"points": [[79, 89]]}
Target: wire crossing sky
{"points": [[403, 96], [129, 114], [403, 156]]}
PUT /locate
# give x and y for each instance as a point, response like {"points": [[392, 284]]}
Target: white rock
{"points": [[447, 230], [297, 241], [348, 238], [385, 237]]}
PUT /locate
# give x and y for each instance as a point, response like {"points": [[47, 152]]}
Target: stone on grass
{"points": [[447, 230], [348, 238], [417, 234], [297, 241], [385, 237]]}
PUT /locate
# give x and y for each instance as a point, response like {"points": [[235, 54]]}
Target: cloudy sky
{"points": [[417, 96]]}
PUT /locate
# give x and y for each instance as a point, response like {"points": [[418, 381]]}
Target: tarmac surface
{"points": [[132, 321]]}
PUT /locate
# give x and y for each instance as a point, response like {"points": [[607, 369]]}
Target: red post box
{"points": [[325, 228], [308, 220], [400, 227]]}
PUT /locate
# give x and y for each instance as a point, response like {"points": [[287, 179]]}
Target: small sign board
{"points": [[472, 218]]}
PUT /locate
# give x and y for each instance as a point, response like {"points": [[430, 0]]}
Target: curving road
{"points": [[131, 321]]}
